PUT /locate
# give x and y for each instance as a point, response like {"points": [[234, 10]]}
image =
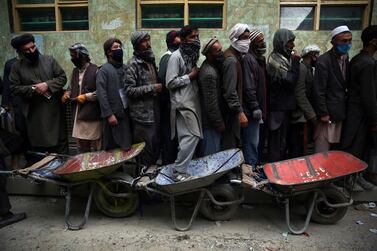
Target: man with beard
{"points": [[210, 84], [303, 93], [283, 71], [168, 146], [142, 88], [111, 97], [87, 126], [181, 81], [39, 81], [254, 105], [329, 89], [233, 85]]}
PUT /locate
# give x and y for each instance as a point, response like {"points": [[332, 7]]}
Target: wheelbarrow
{"points": [[312, 176], [87, 168]]}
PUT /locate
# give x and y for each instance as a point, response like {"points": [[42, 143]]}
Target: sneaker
{"points": [[180, 176], [11, 218], [365, 184]]}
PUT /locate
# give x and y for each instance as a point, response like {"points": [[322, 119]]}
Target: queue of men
{"points": [[236, 99]]}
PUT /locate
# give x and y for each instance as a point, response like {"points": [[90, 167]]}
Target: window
{"points": [[175, 14], [50, 15], [324, 14]]}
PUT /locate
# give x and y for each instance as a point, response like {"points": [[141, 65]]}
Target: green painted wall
{"points": [[109, 18]]}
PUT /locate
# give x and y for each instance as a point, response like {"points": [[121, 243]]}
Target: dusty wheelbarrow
{"points": [[312, 176], [87, 168]]}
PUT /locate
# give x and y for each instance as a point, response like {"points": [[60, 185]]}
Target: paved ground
{"points": [[256, 227]]}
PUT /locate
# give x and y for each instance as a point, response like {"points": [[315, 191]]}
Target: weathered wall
{"points": [[117, 18]]}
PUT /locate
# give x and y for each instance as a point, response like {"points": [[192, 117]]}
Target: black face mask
{"points": [[117, 55], [78, 62], [219, 58], [32, 57]]}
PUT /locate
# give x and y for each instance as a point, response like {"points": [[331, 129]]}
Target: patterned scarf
{"points": [[190, 51], [147, 55]]}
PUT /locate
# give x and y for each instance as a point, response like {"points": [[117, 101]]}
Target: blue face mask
{"points": [[344, 48]]}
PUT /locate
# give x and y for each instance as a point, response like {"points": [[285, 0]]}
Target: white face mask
{"points": [[241, 45]]}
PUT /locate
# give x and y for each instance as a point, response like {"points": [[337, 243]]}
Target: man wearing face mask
{"points": [[303, 93], [254, 105], [283, 71], [142, 88], [181, 80], [39, 80], [168, 146], [329, 89], [359, 136], [212, 103], [233, 85], [112, 99], [87, 126]]}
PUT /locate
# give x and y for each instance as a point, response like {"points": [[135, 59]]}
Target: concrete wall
{"points": [[117, 18]]}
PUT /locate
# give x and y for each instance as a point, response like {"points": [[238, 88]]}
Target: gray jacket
{"points": [[140, 91], [184, 95]]}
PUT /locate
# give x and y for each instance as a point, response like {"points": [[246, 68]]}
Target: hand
{"points": [[81, 99], [325, 119], [41, 87], [91, 96], [257, 114], [243, 119], [220, 127], [112, 120], [66, 96], [158, 87], [295, 56], [194, 73]]}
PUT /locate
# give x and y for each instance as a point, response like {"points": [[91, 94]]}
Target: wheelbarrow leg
{"points": [[193, 216], [308, 216], [68, 208]]}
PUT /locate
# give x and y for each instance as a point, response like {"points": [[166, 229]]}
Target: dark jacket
{"points": [[140, 91], [254, 84], [7, 99], [211, 100], [303, 93], [330, 87], [109, 85], [89, 110]]}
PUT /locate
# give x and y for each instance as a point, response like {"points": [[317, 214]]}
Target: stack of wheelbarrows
{"points": [[219, 181]]}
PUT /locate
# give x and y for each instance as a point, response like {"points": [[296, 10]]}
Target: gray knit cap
{"points": [[137, 36]]}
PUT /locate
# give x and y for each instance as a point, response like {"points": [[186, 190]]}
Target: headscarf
{"points": [[281, 38], [241, 46], [21, 40], [79, 48]]}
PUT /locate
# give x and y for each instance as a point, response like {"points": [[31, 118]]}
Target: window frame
{"points": [[186, 16], [57, 5], [316, 4]]}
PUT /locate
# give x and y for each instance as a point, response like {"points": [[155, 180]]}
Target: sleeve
{"points": [[101, 85], [131, 87], [230, 85], [300, 93], [291, 76], [5, 87], [319, 89], [59, 79], [368, 85], [16, 86], [173, 80], [162, 68], [249, 84]]}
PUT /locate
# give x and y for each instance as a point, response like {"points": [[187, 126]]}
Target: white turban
{"points": [[339, 30], [240, 45]]}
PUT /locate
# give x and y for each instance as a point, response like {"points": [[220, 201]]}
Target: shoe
{"points": [[11, 218], [355, 188], [179, 176], [366, 185]]}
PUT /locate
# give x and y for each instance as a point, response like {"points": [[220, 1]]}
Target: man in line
{"points": [[254, 80], [168, 146], [329, 89], [87, 124], [212, 104], [303, 93], [39, 81], [359, 136], [111, 97], [283, 71], [142, 88], [233, 85], [181, 81]]}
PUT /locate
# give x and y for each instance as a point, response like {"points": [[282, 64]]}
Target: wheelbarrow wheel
{"points": [[323, 214], [221, 193], [115, 207]]}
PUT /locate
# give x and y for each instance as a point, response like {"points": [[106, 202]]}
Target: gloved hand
{"points": [[257, 114], [66, 96], [81, 98]]}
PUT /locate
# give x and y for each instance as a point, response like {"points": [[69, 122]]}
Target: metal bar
{"points": [[344, 204], [225, 203], [308, 216]]}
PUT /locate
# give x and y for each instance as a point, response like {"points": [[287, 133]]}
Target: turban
{"points": [[21, 40], [80, 48], [310, 48], [236, 31]]}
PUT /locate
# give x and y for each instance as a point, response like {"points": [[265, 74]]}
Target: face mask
{"points": [[241, 45], [32, 57], [117, 55], [219, 58], [343, 48], [262, 48], [77, 62]]}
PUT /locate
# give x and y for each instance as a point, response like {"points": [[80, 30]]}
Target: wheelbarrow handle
{"points": [[49, 154], [7, 173]]}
